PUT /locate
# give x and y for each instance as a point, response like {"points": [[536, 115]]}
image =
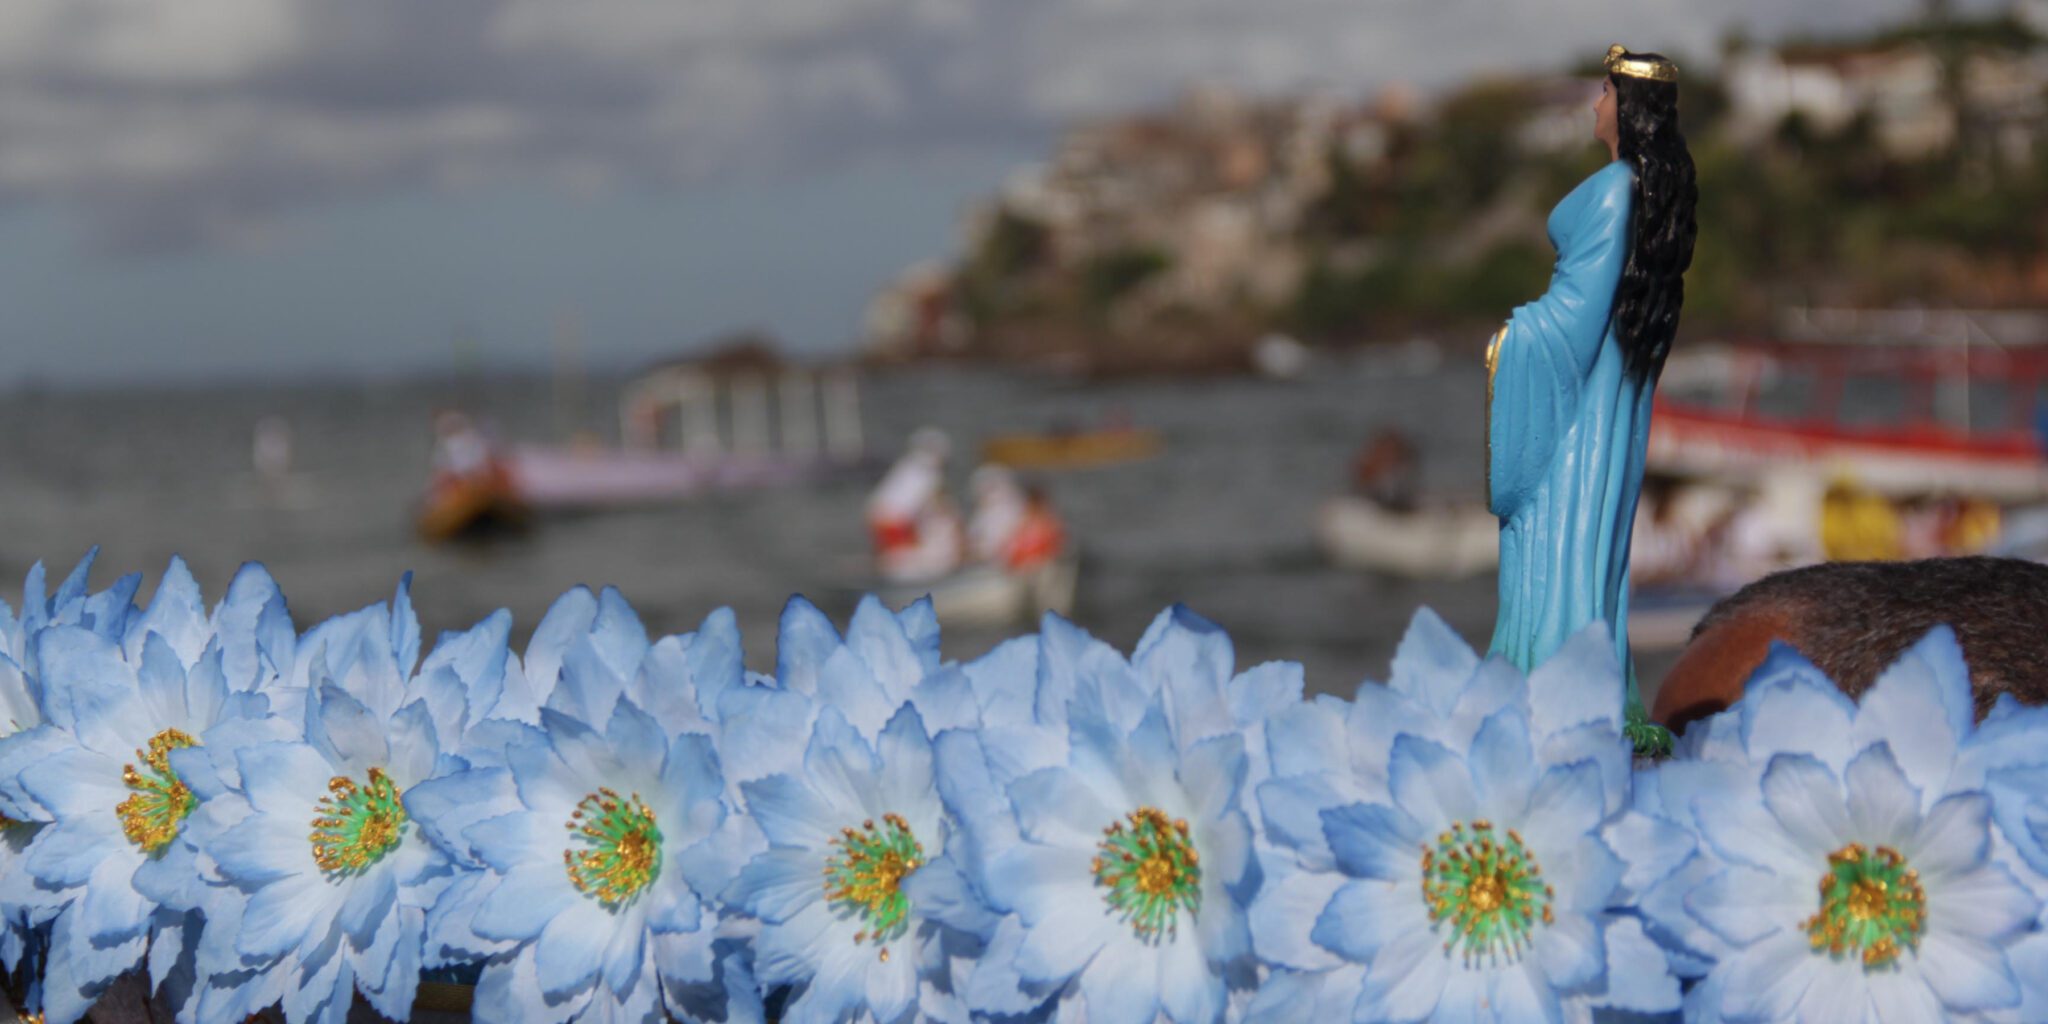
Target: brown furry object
{"points": [[1852, 619]]}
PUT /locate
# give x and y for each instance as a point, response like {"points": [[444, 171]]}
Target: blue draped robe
{"points": [[1566, 433]]}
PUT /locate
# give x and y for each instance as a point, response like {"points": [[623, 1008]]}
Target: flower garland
{"points": [[613, 826]]}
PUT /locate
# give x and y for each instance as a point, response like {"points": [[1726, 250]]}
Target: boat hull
{"points": [[987, 597], [466, 507], [1451, 542], [574, 478]]}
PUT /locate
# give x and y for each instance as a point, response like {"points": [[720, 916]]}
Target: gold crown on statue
{"points": [[1655, 69]]}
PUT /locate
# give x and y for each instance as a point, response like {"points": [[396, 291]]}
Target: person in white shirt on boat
{"points": [[917, 531], [916, 478], [1014, 528], [999, 508], [937, 549]]}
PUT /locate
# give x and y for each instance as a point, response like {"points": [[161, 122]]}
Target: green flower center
{"points": [[153, 813], [1871, 905], [1148, 870], [1486, 889], [621, 848], [866, 872], [357, 825]]}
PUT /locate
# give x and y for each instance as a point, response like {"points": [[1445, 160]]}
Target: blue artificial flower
{"points": [[1129, 876], [588, 654], [20, 687], [22, 913], [1191, 663], [590, 651], [1018, 698], [601, 841], [1327, 753], [1308, 745], [1440, 847], [845, 834], [1030, 700], [105, 776], [330, 881], [869, 699], [21, 691], [1820, 859], [2010, 749], [604, 842], [885, 661]]}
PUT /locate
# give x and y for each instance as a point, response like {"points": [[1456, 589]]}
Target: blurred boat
{"points": [[568, 477], [1432, 542], [454, 508], [985, 596], [1700, 542], [1072, 450], [1899, 417], [738, 421], [1866, 436]]}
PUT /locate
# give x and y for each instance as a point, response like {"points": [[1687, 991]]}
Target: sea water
{"points": [[1222, 520]]}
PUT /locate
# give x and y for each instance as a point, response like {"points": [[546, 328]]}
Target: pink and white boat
{"points": [[545, 477], [697, 428]]}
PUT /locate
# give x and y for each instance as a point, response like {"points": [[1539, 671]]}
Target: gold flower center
{"points": [[620, 851], [1485, 893], [152, 814], [1871, 906], [357, 825], [1482, 885], [865, 874], [1149, 872]]}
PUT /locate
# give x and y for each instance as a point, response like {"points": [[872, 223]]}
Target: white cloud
{"points": [[640, 28], [173, 122], [150, 41]]}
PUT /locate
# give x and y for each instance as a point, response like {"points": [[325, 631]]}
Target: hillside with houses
{"points": [[1906, 166]]}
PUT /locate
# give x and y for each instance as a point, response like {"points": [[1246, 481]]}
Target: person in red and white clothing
{"points": [[916, 530], [1039, 539]]}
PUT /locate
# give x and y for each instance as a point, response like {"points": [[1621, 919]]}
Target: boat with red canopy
{"points": [[1901, 418]]}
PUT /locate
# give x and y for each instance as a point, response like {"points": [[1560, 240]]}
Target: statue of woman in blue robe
{"points": [[1569, 379]]}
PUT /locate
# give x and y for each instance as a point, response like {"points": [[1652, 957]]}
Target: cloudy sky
{"points": [[194, 189]]}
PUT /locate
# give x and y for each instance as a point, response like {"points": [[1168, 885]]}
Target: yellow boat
{"points": [[1071, 451]]}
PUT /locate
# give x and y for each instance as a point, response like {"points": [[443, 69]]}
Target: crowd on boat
{"points": [[1693, 531], [1707, 533], [920, 534]]}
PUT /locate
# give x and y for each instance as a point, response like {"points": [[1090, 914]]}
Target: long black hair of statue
{"points": [[1661, 225]]}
